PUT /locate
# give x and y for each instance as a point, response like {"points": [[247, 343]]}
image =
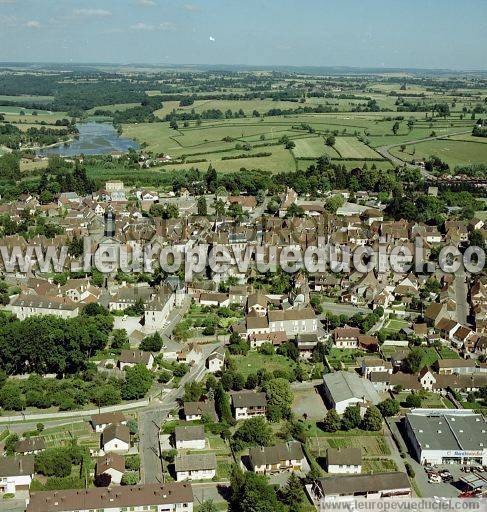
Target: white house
{"points": [[16, 473], [247, 404], [344, 460], [112, 464], [129, 358], [195, 466], [276, 459], [374, 364], [100, 422], [216, 360], [25, 306], [116, 438], [190, 437]]}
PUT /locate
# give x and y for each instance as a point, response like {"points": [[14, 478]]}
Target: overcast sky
{"points": [[367, 33]]}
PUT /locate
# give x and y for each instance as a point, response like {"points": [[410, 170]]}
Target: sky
{"points": [[448, 34]]}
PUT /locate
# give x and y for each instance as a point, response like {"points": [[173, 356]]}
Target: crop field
{"points": [[371, 445], [113, 108], [452, 152], [46, 117], [349, 147], [26, 99], [313, 147], [6, 109]]}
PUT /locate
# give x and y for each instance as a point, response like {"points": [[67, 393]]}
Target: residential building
{"points": [[275, 459], [344, 460], [112, 464], [30, 446], [16, 473], [196, 410], [100, 421], [167, 497], [129, 358], [190, 437], [216, 360], [116, 438], [246, 404], [25, 306], [195, 466]]}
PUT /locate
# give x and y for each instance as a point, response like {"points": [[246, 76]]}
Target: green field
{"points": [[254, 361], [313, 148], [395, 325], [453, 152], [6, 109], [371, 445], [113, 108], [26, 99], [349, 147]]}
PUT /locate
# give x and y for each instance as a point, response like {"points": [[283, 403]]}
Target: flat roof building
{"points": [[447, 437]]}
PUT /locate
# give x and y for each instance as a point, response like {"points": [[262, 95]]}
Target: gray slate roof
{"points": [[195, 462], [263, 455], [347, 456], [189, 432], [345, 385], [348, 485]]}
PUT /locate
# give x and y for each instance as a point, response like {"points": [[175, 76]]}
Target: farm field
{"points": [[350, 147], [371, 445], [313, 148], [113, 108], [450, 151], [6, 109], [26, 99]]}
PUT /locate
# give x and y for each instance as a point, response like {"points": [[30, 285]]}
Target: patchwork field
{"points": [[371, 445], [453, 152], [349, 147], [313, 148]]}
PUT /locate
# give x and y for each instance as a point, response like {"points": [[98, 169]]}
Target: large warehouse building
{"points": [[441, 436]]}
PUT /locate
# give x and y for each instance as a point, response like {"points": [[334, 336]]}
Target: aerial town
{"points": [[242, 287]]}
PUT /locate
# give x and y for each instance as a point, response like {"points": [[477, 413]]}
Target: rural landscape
{"points": [[242, 256]]}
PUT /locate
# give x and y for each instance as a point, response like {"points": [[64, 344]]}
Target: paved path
{"points": [[151, 419], [342, 309], [461, 293]]}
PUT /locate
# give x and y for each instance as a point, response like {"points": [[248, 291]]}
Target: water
{"points": [[94, 139]]}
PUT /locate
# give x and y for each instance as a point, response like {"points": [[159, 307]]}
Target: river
{"points": [[93, 139]]}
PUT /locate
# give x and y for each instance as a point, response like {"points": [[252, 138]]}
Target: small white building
{"points": [[195, 467], [116, 438], [190, 437], [374, 364], [112, 464], [16, 473], [344, 461], [216, 360], [129, 358], [276, 459], [101, 421], [247, 404]]}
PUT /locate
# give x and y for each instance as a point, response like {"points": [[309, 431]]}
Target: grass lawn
{"points": [[254, 361], [347, 356], [395, 325], [378, 465], [372, 445], [313, 147], [448, 353], [430, 356]]}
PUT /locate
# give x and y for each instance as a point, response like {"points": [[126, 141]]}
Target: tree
{"points": [[138, 381], [10, 443], [54, 462], [351, 418], [279, 399], [476, 239], [395, 127], [251, 493], [334, 202], [320, 351], [119, 339], [208, 506], [222, 404], [132, 462], [152, 343], [372, 419], [202, 206], [102, 480], [331, 422], [412, 362], [253, 431], [133, 426], [292, 493], [413, 400], [193, 391], [330, 140], [389, 407]]}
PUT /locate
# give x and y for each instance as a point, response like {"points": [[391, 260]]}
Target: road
{"points": [[151, 418], [384, 151], [461, 293]]}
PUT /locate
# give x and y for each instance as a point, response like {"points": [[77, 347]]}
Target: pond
{"points": [[93, 139]]}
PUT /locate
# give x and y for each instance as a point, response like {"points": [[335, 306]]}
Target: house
{"points": [[25, 306], [374, 364], [216, 360], [129, 358], [346, 337], [376, 486], [112, 464], [196, 410], [293, 321], [248, 203], [195, 466], [30, 446], [344, 460], [447, 328], [16, 473], [458, 366], [246, 404], [167, 497], [190, 437], [306, 344], [101, 421], [275, 459], [116, 438], [346, 388], [257, 302], [274, 338]]}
